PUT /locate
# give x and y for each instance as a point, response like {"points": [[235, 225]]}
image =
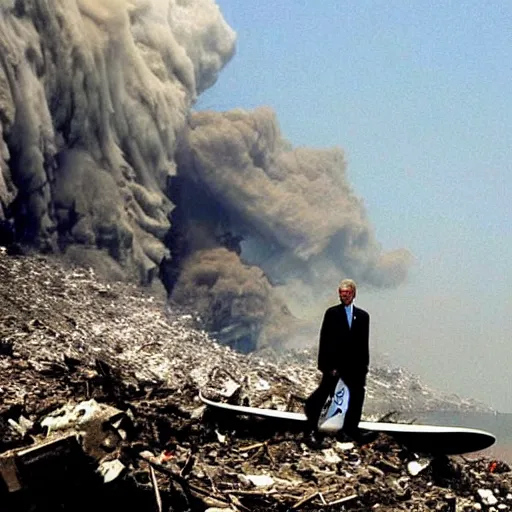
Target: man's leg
{"points": [[355, 409], [353, 416]]}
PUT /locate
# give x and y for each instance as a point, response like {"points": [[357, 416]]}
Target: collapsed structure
{"points": [[99, 387]]}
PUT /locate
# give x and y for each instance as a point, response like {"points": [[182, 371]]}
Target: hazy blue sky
{"points": [[419, 96]]}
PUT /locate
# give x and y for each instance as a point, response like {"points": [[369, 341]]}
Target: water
{"points": [[499, 424]]}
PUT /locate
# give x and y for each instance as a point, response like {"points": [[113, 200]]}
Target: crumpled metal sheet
{"points": [[100, 426]]}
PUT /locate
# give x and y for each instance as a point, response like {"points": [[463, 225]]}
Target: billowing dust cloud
{"points": [[237, 300], [294, 207], [93, 96], [102, 160]]}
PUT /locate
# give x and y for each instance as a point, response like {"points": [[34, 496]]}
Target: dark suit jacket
{"points": [[345, 349]]}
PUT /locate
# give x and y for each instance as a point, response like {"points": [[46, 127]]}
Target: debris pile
{"points": [[99, 408]]}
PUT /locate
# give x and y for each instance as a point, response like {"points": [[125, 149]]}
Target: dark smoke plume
{"points": [[237, 301], [294, 204]]}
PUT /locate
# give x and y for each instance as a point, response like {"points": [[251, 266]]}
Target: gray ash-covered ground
{"points": [[66, 337]]}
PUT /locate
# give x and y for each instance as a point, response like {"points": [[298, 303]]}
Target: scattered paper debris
{"points": [[415, 467], [260, 480]]}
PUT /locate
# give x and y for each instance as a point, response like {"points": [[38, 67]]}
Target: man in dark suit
{"points": [[343, 352]]}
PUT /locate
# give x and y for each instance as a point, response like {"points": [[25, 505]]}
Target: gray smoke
{"points": [[237, 301], [295, 206]]}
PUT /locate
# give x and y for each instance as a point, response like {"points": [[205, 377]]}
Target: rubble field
{"points": [[99, 410]]}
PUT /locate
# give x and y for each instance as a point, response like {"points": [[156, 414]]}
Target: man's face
{"points": [[346, 295]]}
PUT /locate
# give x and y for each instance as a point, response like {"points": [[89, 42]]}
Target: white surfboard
{"points": [[435, 439]]}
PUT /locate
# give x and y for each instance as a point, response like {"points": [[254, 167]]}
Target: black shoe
{"points": [[343, 437], [314, 440]]}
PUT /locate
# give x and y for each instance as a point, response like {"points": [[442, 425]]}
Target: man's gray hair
{"points": [[348, 283]]}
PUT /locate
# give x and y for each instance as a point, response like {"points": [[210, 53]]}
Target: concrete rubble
{"points": [[99, 409]]}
